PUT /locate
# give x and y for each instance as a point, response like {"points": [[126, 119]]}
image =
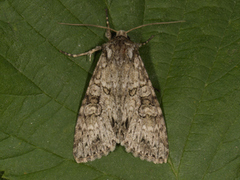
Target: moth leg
{"points": [[144, 43], [108, 32], [89, 53]]}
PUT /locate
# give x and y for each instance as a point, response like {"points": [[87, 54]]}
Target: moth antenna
{"points": [[108, 28], [172, 22], [108, 31]]}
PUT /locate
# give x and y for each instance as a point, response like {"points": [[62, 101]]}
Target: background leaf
{"points": [[195, 64]]}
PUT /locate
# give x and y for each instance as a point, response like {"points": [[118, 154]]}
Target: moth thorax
{"points": [[121, 33]]}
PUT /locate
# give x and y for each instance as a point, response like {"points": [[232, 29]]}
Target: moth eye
{"points": [[113, 34]]}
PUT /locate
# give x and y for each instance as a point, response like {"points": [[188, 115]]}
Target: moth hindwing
{"points": [[120, 105]]}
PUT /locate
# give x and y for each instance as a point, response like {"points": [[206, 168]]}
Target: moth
{"points": [[120, 105]]}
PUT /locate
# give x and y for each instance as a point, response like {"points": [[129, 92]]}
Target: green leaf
{"points": [[195, 65]]}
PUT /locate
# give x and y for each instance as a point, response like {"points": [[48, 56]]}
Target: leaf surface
{"points": [[194, 64]]}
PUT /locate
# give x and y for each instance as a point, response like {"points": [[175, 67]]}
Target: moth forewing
{"points": [[120, 105]]}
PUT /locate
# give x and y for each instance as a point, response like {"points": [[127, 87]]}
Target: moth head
{"points": [[121, 33]]}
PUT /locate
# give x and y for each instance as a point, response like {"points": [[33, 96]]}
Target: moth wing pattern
{"points": [[94, 136], [120, 105], [146, 135]]}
